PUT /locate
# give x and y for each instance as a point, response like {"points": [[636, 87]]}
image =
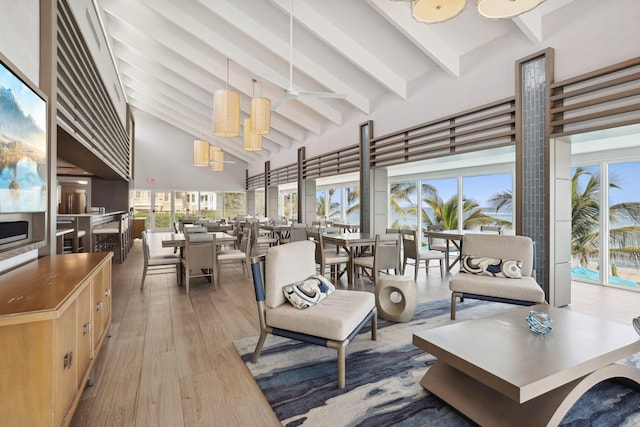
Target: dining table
{"points": [[176, 240], [353, 244], [453, 243], [348, 227]]}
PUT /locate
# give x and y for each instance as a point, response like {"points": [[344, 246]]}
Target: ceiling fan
{"points": [[291, 92]]}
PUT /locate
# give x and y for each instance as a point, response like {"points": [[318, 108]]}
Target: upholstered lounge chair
{"points": [[523, 291], [332, 323]]}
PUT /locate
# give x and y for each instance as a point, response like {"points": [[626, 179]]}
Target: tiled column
{"points": [[366, 133], [540, 178]]}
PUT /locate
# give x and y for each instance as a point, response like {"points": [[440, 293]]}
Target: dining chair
{"points": [[190, 229], [158, 264], [411, 250], [333, 323], [332, 258], [438, 244], [297, 232], [262, 239], [230, 256], [199, 258], [492, 229], [386, 256]]}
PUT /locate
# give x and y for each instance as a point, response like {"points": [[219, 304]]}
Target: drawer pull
{"points": [[99, 306], [107, 292], [68, 360], [86, 328]]}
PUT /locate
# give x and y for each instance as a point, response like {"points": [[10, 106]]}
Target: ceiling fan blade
{"points": [[221, 161], [322, 94], [287, 96]]}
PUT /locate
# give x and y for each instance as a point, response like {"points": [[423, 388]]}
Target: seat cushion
{"points": [[525, 289], [431, 254], [334, 318]]}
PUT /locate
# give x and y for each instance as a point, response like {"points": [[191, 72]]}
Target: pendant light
{"points": [[252, 140], [505, 8], [200, 153], [260, 112], [216, 156], [432, 11], [226, 111]]}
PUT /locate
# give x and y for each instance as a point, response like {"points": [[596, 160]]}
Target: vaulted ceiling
{"points": [[172, 55]]}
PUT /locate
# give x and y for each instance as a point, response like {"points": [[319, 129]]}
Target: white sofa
{"points": [[522, 291]]}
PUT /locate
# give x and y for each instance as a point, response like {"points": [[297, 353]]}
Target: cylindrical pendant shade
{"points": [[226, 113], [200, 153], [252, 140], [505, 8], [261, 115], [217, 158], [432, 11]]}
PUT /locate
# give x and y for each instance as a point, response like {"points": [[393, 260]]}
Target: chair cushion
{"points": [[494, 267], [364, 261], [431, 254], [309, 292], [334, 319], [231, 254], [287, 264], [500, 246], [526, 289]]}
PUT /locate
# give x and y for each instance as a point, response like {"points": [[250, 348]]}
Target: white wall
{"points": [[600, 35], [20, 35], [165, 153]]}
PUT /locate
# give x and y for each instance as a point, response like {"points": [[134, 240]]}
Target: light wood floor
{"points": [[171, 361]]}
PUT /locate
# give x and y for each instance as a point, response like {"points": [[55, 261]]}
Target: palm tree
{"points": [[585, 222], [502, 199], [446, 213]]}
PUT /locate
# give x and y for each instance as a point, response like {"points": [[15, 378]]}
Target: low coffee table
{"points": [[497, 372]]}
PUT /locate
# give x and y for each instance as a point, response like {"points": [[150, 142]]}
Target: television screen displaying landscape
{"points": [[23, 146]]}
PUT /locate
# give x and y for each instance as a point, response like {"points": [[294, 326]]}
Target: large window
{"points": [[211, 205], [338, 203], [403, 202], [186, 203], [439, 203], [487, 200], [605, 201]]}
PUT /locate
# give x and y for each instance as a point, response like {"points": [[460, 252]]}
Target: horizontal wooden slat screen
{"points": [[283, 175], [333, 163], [84, 107], [602, 99], [489, 126], [255, 182]]}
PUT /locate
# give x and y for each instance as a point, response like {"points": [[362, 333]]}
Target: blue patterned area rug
{"points": [[383, 379]]}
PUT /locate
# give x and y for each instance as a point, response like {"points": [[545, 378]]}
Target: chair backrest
{"points": [[145, 248], [392, 231], [200, 250], [386, 253], [319, 245], [195, 229], [434, 241], [284, 265], [297, 234], [492, 229], [519, 248], [245, 242], [410, 243]]}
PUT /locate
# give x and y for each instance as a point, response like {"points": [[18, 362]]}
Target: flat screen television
{"points": [[23, 145]]}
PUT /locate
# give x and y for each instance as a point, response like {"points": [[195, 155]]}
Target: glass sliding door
{"points": [[141, 203], [487, 200], [623, 207], [403, 204], [211, 204], [235, 203], [161, 211], [186, 203], [585, 223], [439, 204]]}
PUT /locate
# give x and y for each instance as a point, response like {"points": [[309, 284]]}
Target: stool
{"points": [[403, 287]]}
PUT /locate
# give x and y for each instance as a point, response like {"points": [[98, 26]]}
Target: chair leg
{"points": [[454, 295], [374, 327], [442, 268], [144, 276], [256, 352], [415, 270], [341, 366]]}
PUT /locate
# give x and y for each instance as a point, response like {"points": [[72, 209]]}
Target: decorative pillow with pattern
{"points": [[309, 292], [495, 267]]}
